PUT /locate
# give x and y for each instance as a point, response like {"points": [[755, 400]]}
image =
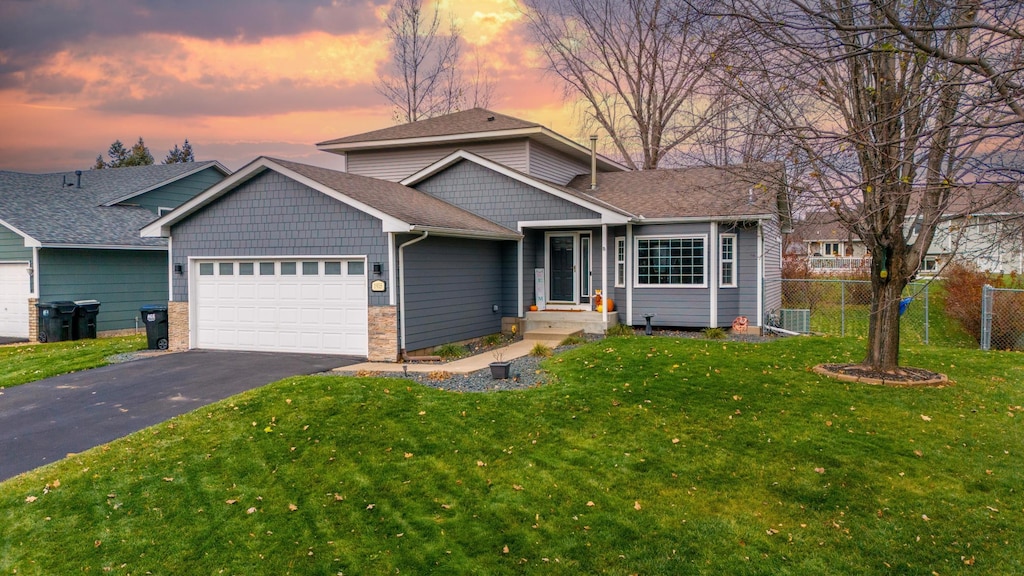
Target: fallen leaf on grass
{"points": [[819, 470], [926, 418], [590, 503], [771, 531], [251, 510], [168, 479], [232, 501], [504, 549], [636, 505], [517, 487], [925, 517], [422, 413], [675, 440], [370, 506], [31, 499], [293, 507], [408, 454], [480, 463]]}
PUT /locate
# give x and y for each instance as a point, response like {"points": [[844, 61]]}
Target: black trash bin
{"points": [[84, 325], [155, 317], [55, 320]]}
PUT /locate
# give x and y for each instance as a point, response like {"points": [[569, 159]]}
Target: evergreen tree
{"points": [[137, 155], [100, 164], [180, 155]]}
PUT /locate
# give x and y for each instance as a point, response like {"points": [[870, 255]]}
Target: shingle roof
{"points": [[466, 122], [52, 210], [818, 226], [715, 192], [401, 202]]}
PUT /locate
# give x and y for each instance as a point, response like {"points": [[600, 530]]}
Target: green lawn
{"points": [[31, 362], [639, 456]]}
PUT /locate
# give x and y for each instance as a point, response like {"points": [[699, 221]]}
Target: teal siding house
{"points": [[75, 236]]}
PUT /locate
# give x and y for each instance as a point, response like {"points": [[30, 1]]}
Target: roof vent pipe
{"points": [[78, 178], [593, 161]]}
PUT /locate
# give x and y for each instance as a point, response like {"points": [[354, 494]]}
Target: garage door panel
{"points": [[315, 313], [14, 291]]}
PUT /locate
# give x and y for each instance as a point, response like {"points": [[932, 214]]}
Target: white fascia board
{"points": [[455, 233], [220, 167], [690, 219], [424, 140], [593, 222], [29, 241], [607, 216]]}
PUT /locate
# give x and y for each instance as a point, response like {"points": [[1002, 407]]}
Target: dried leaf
{"points": [[926, 418], [168, 479], [925, 517], [408, 454], [772, 531], [422, 413], [251, 510], [338, 497], [675, 440], [370, 506], [504, 549], [56, 483], [232, 501], [480, 463], [819, 470], [293, 507], [590, 503], [636, 505], [31, 499], [517, 487]]}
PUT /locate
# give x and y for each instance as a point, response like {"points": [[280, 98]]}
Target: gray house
{"points": [[73, 236], [460, 226]]}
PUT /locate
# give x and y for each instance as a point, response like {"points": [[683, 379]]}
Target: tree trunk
{"points": [[884, 327]]}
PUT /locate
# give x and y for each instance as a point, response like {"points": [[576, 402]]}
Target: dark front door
{"points": [[561, 268]]}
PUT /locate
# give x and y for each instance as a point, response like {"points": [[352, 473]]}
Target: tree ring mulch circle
{"points": [[906, 377]]}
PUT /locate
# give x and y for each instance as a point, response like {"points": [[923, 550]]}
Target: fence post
{"points": [[842, 307], [986, 317], [926, 312]]}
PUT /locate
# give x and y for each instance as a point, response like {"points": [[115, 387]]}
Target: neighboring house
{"points": [[452, 228], [984, 226], [75, 236]]}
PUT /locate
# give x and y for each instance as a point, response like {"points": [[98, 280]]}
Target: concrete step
{"points": [[552, 334], [588, 322]]}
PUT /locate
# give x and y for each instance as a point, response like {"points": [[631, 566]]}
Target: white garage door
{"points": [[14, 284], [287, 305]]}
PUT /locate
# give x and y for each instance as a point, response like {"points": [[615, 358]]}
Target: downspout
{"points": [[401, 302]]}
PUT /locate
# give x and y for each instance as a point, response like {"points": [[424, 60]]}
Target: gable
{"points": [[498, 197], [394, 164], [176, 193], [12, 246]]}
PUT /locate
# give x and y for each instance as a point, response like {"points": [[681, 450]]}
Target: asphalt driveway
{"points": [[45, 421]]}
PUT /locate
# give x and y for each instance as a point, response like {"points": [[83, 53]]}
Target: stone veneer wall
{"points": [[383, 332], [177, 325], [33, 320]]}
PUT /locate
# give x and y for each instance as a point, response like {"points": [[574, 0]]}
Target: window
{"points": [[245, 268], [355, 268], [670, 261], [620, 261], [287, 268], [332, 268], [206, 269], [831, 248], [266, 268], [930, 264], [310, 268], [227, 268], [727, 260]]}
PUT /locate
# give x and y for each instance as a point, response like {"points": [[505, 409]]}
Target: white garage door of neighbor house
{"points": [[14, 284], [287, 305]]}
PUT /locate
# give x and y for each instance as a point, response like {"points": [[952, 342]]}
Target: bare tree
{"points": [[888, 133], [423, 78], [641, 67]]}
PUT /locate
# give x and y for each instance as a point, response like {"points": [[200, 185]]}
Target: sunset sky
{"points": [[238, 78]]}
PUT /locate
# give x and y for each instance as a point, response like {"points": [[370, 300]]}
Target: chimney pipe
{"points": [[78, 178], [593, 161]]}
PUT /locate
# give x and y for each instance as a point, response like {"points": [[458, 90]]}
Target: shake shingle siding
{"points": [[122, 280], [272, 215], [452, 285], [497, 197]]}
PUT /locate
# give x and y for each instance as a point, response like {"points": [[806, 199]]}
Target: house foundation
{"points": [[33, 320]]}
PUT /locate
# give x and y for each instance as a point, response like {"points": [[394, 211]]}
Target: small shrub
{"points": [[714, 333], [619, 330], [450, 351], [438, 376], [492, 340], [573, 340], [540, 350], [963, 286]]}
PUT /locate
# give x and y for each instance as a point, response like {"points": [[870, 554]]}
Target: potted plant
{"points": [[500, 368]]}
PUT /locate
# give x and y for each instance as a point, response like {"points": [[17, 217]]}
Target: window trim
{"points": [[620, 274], [732, 261], [636, 259]]}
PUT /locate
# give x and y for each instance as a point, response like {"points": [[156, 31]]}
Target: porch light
{"points": [[178, 269], [377, 268]]}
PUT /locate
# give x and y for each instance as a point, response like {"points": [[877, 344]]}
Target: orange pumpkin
{"points": [[533, 307]]}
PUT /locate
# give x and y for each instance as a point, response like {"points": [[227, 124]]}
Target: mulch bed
{"points": [[905, 376]]}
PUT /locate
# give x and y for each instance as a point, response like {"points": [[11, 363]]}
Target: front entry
{"points": [[568, 267]]}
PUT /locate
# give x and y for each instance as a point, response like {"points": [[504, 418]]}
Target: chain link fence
{"points": [[841, 307], [1002, 318]]}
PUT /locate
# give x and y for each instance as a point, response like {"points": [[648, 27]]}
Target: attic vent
{"points": [[490, 118]]}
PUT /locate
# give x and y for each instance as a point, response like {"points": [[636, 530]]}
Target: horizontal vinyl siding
{"points": [[12, 247], [497, 197], [398, 163], [177, 193], [451, 286], [554, 166], [742, 300], [272, 215], [683, 307], [122, 280], [772, 268]]}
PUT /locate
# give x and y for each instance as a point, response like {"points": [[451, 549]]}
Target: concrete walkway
{"points": [[549, 337]]}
